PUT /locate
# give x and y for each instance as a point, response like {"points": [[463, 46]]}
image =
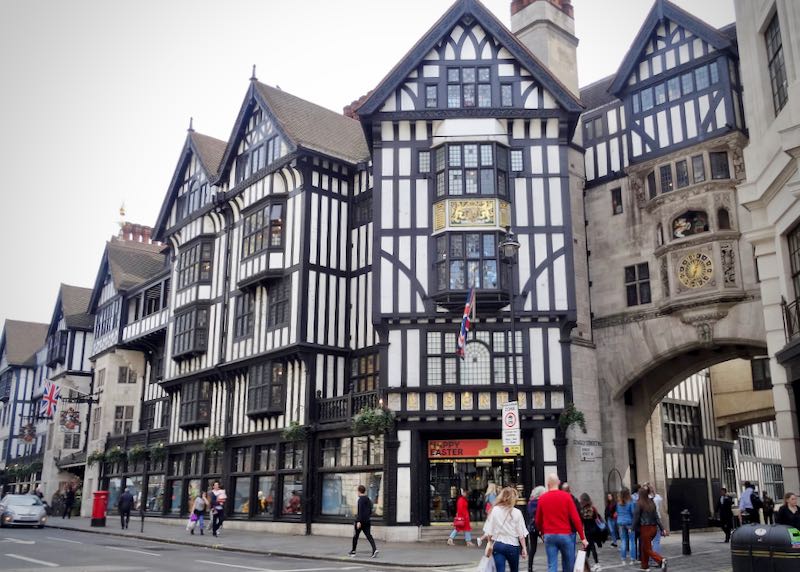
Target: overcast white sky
{"points": [[97, 94]]}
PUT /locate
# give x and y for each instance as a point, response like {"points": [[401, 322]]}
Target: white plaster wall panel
{"points": [[691, 120], [322, 223], [683, 54], [521, 202], [422, 262], [406, 103], [556, 208], [313, 230], [721, 116], [649, 127], [387, 273], [675, 121], [403, 494], [525, 264], [403, 293], [560, 283], [395, 357], [589, 163], [663, 131], [412, 353], [554, 353], [616, 164], [422, 203], [404, 204], [539, 211], [336, 223], [543, 291], [332, 310], [636, 144], [312, 302], [322, 309], [602, 160], [387, 204]]}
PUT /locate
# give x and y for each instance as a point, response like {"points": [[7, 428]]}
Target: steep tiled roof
{"points": [[132, 263], [314, 127], [23, 340], [210, 151], [75, 304], [596, 94]]}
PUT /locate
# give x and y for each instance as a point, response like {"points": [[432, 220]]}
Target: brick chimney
{"points": [[130, 232], [547, 28]]}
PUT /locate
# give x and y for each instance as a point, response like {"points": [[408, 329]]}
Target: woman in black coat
{"points": [[789, 514]]}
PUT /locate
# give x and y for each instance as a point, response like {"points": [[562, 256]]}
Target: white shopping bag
{"points": [[580, 561], [190, 525], [486, 565]]}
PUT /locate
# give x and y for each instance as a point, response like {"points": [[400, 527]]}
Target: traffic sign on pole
{"points": [[510, 424]]}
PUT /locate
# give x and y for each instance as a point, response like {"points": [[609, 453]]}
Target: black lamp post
{"points": [[509, 247]]}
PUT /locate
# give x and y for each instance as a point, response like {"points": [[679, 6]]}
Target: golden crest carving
{"points": [[502, 398], [522, 400], [431, 402], [484, 401], [466, 401], [450, 401], [557, 400], [505, 214], [439, 216], [394, 401], [472, 212], [412, 402], [538, 400]]}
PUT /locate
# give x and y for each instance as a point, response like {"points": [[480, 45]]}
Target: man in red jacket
{"points": [[557, 520]]}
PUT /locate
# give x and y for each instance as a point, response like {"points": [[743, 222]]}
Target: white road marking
{"points": [[33, 560], [230, 565], [64, 540], [18, 541], [132, 550]]}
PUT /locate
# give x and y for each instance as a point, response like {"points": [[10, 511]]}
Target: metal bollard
{"points": [[686, 518]]}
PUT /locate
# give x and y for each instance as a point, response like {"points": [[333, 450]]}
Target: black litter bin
{"points": [[765, 548]]}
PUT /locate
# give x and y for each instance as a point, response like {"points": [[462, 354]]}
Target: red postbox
{"points": [[99, 508]]}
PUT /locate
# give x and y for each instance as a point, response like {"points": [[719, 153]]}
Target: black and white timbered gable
{"points": [[678, 85], [470, 136]]}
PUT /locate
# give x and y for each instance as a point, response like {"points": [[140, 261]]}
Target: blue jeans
{"points": [[467, 535], [563, 544], [657, 543], [612, 528], [627, 547], [503, 553]]}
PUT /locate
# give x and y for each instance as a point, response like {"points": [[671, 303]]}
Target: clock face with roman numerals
{"points": [[695, 270]]}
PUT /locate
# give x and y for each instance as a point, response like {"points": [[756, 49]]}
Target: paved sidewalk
{"points": [[709, 554]]}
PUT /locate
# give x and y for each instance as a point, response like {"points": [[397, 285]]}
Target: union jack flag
{"points": [[50, 399], [466, 323]]}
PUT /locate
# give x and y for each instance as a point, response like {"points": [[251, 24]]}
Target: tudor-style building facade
{"points": [[470, 137]]}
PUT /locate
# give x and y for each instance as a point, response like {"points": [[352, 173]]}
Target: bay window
{"points": [[195, 408], [471, 169], [263, 229], [266, 388], [464, 260], [194, 264], [190, 332]]}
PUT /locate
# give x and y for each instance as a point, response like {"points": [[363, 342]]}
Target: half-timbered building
{"points": [[69, 346], [21, 444], [131, 286]]}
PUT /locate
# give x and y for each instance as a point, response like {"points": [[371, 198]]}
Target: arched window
{"points": [[724, 219], [689, 223]]}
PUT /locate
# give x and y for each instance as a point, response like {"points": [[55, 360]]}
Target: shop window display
{"points": [[265, 499], [292, 495], [339, 497], [155, 494]]}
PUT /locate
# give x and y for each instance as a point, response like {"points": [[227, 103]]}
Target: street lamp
{"points": [[509, 247]]}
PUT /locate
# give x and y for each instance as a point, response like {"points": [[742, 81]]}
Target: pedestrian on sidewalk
{"points": [[363, 522], [461, 521], [199, 510], [789, 514], [69, 502], [217, 499], [611, 517], [725, 510], [506, 530], [658, 500], [533, 532], [589, 517], [625, 507], [646, 522], [124, 505], [769, 509], [490, 497], [557, 520], [746, 505]]}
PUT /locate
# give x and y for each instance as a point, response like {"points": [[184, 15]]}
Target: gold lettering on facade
{"points": [[505, 214], [439, 216]]}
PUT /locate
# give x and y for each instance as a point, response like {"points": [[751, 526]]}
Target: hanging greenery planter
{"points": [[571, 416], [158, 452], [294, 432], [115, 455], [137, 453], [373, 421], [96, 457], [213, 444]]}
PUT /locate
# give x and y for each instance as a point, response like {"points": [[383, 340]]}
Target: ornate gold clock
{"points": [[695, 270]]}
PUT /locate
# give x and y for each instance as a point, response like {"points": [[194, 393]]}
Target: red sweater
{"points": [[556, 514]]}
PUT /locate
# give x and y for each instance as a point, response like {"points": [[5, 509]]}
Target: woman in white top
{"points": [[506, 529]]}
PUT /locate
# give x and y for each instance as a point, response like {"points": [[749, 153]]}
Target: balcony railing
{"points": [[791, 319], [336, 409]]}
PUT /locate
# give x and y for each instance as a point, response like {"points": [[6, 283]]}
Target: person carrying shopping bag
{"points": [[199, 510], [461, 521], [506, 529]]}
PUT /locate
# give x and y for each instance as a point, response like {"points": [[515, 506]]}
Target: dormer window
{"points": [[471, 169], [260, 146], [57, 348], [194, 191]]}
